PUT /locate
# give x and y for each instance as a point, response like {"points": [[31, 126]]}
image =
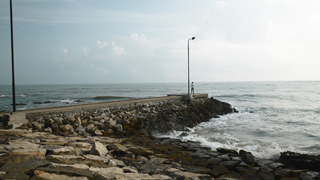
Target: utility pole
{"points": [[12, 56], [189, 66]]}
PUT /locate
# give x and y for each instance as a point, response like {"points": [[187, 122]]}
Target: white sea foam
{"points": [[67, 101]]}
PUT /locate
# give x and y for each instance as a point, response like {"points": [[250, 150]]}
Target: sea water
{"points": [[273, 116]]}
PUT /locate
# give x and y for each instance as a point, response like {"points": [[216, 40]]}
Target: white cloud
{"points": [[85, 50], [102, 44], [137, 37], [65, 51], [117, 49], [221, 3]]}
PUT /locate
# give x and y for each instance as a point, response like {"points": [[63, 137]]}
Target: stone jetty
{"points": [[118, 142]]}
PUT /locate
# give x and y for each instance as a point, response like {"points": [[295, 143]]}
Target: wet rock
{"points": [[213, 161], [229, 164], [227, 151], [310, 175], [266, 175], [98, 149], [230, 177], [247, 157], [311, 162], [218, 170]]}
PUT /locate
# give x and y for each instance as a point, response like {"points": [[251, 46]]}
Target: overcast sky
{"points": [[142, 41]]}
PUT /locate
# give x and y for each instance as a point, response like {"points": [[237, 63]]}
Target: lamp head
{"points": [[193, 38]]}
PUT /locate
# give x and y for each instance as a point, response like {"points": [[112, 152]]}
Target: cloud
{"points": [[117, 49], [221, 3], [137, 37], [102, 44], [85, 51], [65, 51]]}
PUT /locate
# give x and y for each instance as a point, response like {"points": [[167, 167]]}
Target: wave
{"points": [[258, 148], [10, 96], [67, 101]]}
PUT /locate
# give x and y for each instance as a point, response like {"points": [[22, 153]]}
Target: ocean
{"points": [[273, 116]]}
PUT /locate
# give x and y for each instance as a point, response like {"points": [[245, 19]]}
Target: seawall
{"points": [[162, 114]]}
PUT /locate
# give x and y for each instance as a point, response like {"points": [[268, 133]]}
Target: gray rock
{"points": [[48, 130], [247, 157], [36, 125], [128, 169], [67, 150], [75, 169], [213, 161], [310, 175], [90, 127], [112, 173], [41, 175], [229, 164], [119, 128], [66, 128], [98, 149], [97, 132], [219, 170], [111, 163]]}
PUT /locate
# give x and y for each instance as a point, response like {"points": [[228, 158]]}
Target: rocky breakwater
{"points": [[162, 116]]}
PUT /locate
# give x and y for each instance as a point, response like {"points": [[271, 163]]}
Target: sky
{"points": [[145, 41]]}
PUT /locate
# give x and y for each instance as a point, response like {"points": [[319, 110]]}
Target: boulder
{"points": [[227, 151], [36, 125], [98, 149], [67, 150], [112, 173], [74, 169], [304, 161], [247, 157], [66, 128], [41, 175]]}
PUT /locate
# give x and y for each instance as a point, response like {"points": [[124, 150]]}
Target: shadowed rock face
{"points": [[303, 161], [188, 115]]}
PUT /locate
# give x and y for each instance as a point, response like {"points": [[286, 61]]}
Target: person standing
{"points": [[192, 88]]}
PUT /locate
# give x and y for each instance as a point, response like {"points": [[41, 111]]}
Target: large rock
{"points": [[74, 169], [41, 175], [112, 173], [98, 149], [17, 166], [67, 150], [304, 161], [247, 157]]}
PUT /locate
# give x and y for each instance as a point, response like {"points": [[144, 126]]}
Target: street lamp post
{"points": [[189, 66], [12, 56]]}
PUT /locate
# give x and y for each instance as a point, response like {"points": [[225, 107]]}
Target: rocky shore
{"points": [[118, 143]]}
